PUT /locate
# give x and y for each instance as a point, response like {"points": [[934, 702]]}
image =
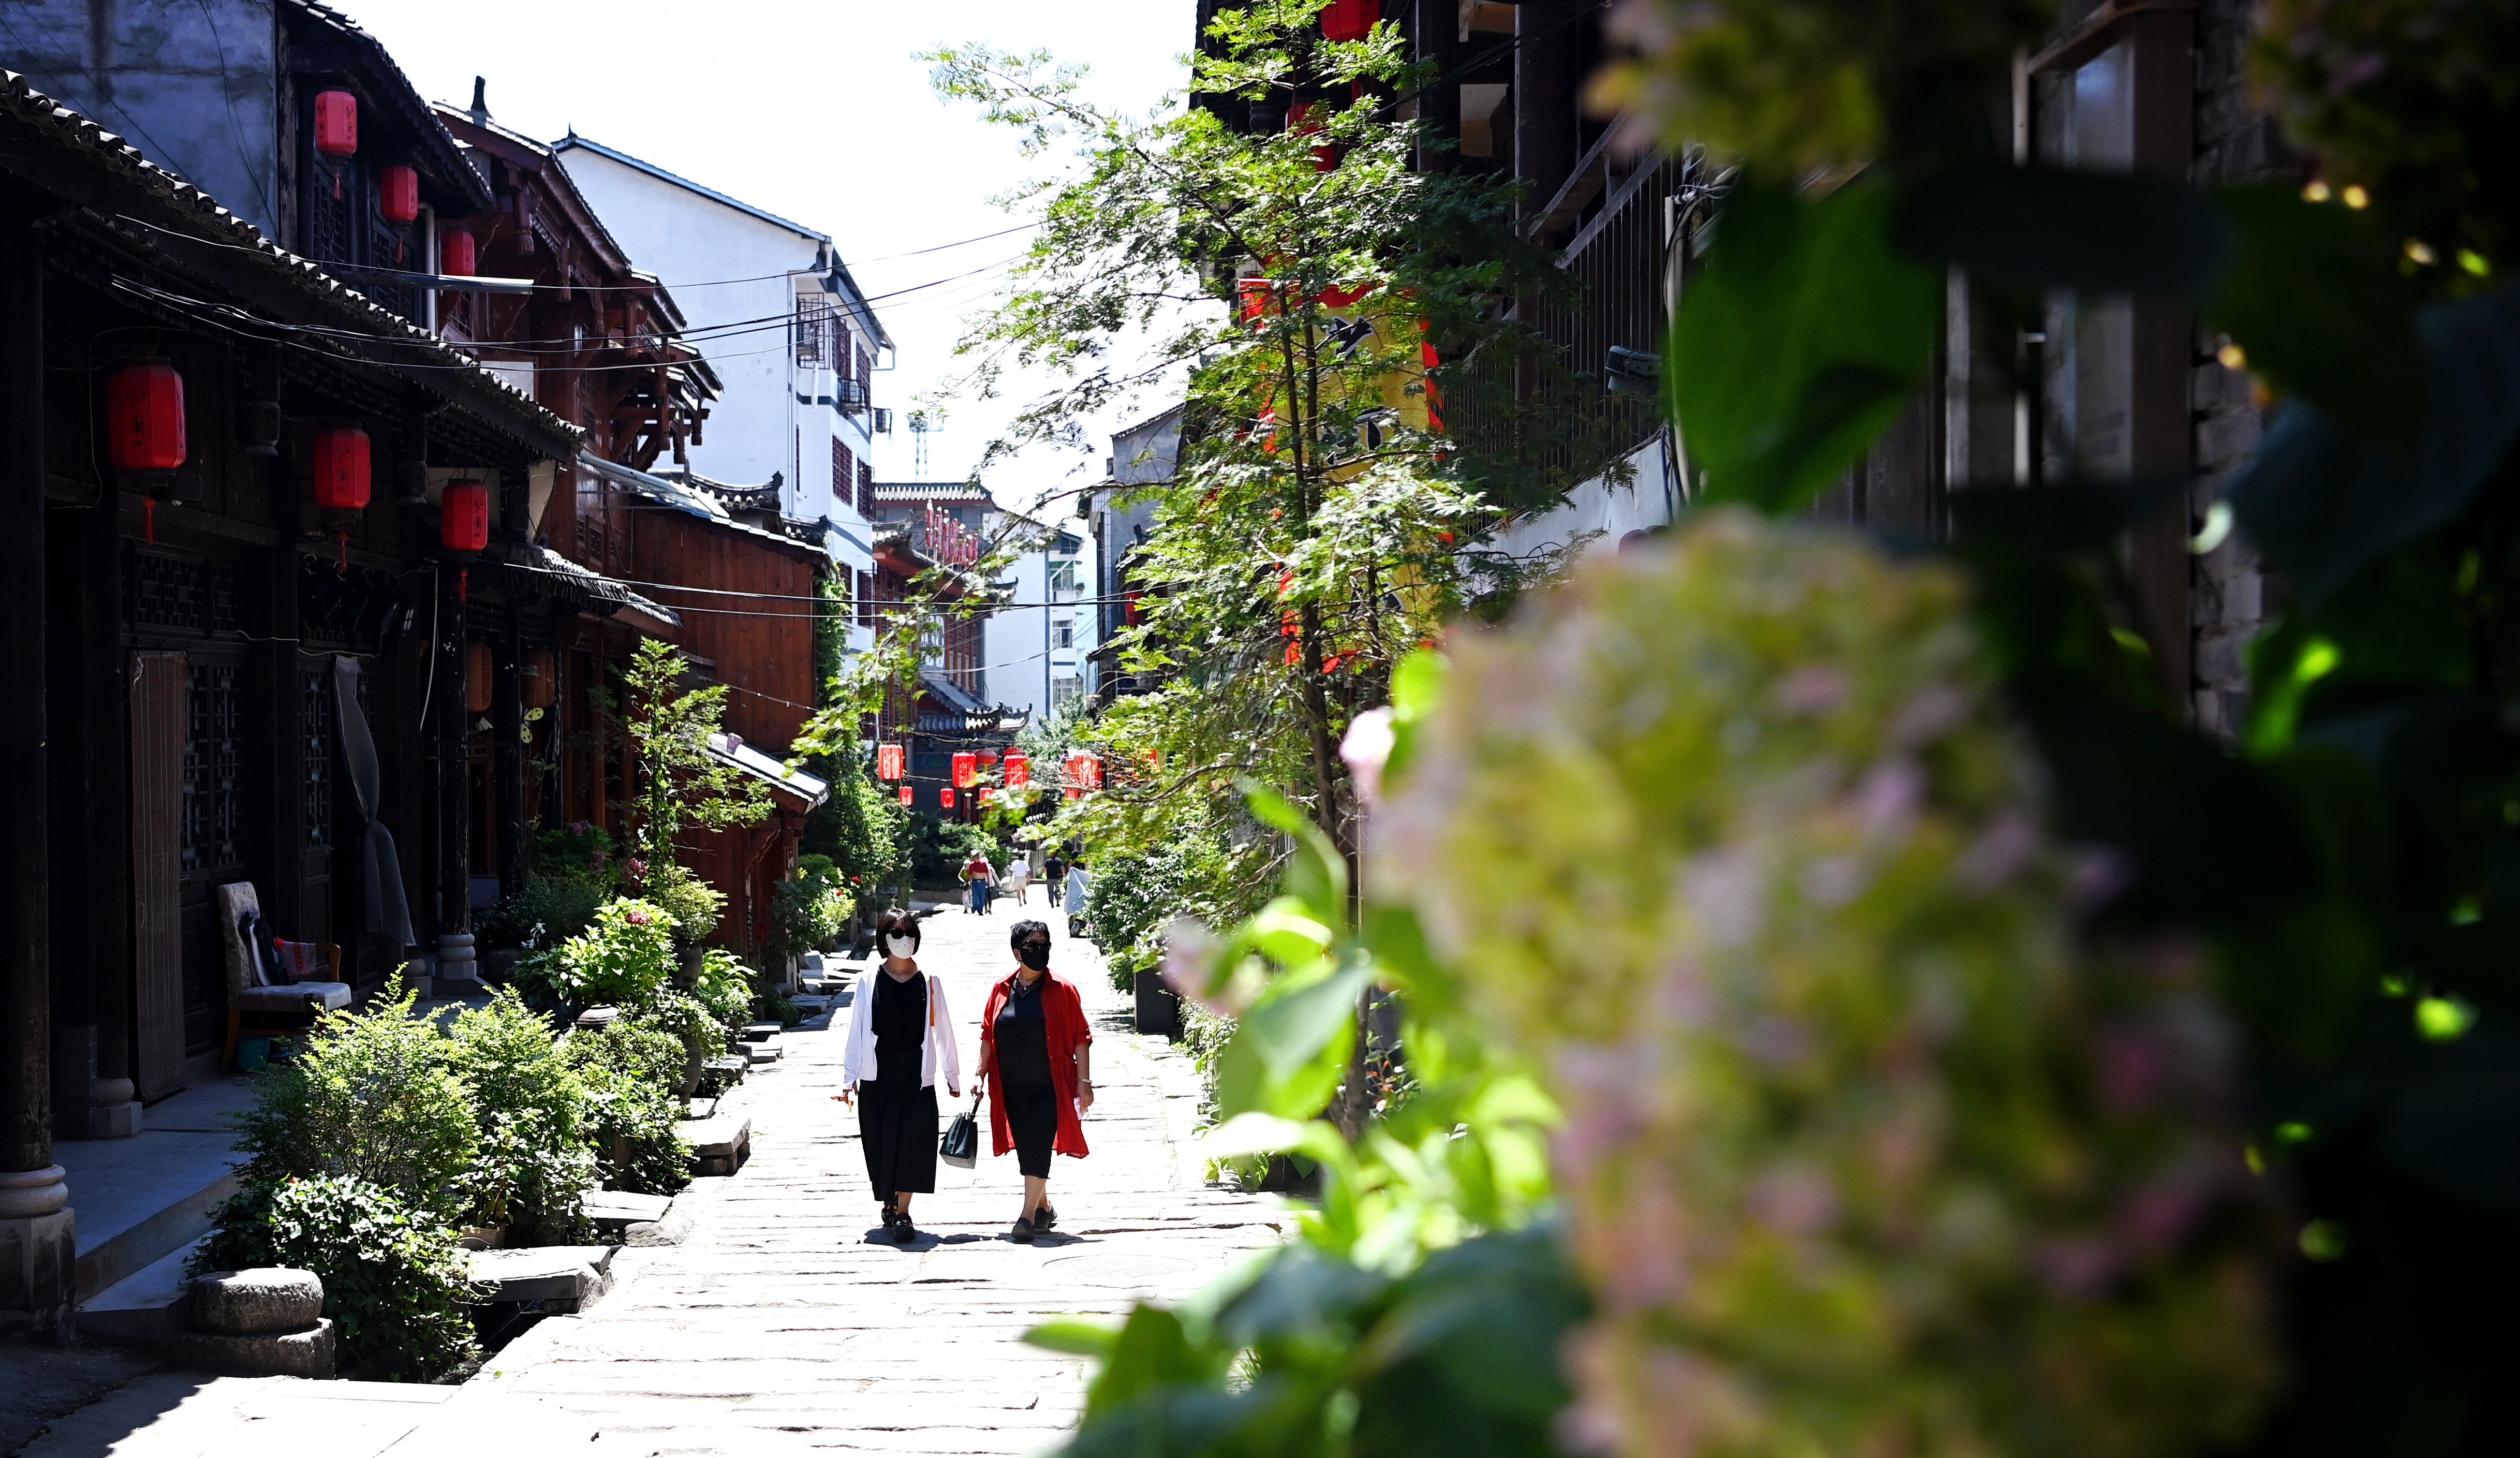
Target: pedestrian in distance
{"points": [[1078, 882], [1018, 877], [1036, 1058], [982, 879], [901, 1039]]}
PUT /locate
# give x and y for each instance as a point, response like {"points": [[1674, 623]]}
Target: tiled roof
{"points": [[184, 221], [942, 492]]}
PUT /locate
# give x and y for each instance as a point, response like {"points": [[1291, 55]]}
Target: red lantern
{"points": [[342, 469], [988, 756], [967, 768], [905, 795], [399, 194], [144, 409], [945, 796], [464, 517], [455, 255], [337, 123], [1075, 793], [888, 761], [1019, 770], [1350, 19]]}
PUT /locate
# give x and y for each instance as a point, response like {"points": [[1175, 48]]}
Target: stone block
{"points": [[672, 1230], [38, 1273], [755, 1033], [307, 1354], [257, 1303], [719, 1144], [621, 1206], [571, 1276]]}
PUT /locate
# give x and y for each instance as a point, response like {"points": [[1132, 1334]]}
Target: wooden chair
{"points": [[276, 1006]]}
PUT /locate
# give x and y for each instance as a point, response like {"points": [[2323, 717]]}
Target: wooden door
{"points": [[160, 693]]}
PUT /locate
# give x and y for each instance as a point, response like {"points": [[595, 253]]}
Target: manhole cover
{"points": [[1118, 1270]]}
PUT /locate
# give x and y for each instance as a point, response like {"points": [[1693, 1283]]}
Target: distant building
{"points": [[790, 333], [1142, 455]]}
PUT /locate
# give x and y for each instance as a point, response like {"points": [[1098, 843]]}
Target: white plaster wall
{"points": [[1597, 514]]}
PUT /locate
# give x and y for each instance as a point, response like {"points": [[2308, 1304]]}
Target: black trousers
{"points": [[1032, 1117], [897, 1125]]}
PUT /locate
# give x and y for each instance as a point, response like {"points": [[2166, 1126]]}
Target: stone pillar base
{"points": [[455, 963], [38, 1255], [114, 1121]]}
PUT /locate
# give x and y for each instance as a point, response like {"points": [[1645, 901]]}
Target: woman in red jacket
{"points": [[1036, 1054]]}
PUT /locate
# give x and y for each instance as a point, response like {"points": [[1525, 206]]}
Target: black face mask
{"points": [[1035, 955]]}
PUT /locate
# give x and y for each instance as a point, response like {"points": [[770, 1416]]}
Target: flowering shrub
{"points": [[1861, 1157], [620, 960]]}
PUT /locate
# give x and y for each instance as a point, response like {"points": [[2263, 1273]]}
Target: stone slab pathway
{"points": [[787, 1323]]}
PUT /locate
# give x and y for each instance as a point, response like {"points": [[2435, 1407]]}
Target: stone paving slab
{"points": [[786, 1322]]}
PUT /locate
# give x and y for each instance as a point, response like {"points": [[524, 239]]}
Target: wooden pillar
{"points": [[104, 869], [1544, 81], [1435, 28], [2160, 431], [507, 725], [282, 889], [37, 1248], [450, 726]]}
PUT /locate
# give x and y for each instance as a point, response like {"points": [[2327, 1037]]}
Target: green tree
{"points": [[679, 784]]}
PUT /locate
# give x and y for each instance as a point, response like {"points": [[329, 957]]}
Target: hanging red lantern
{"points": [[905, 797], [337, 123], [1075, 793], [342, 478], [144, 407], [945, 796], [454, 255], [399, 194], [464, 517], [1350, 19], [1092, 764], [1019, 769], [888, 761], [988, 756], [967, 768]]}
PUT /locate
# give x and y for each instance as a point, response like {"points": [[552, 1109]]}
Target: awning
{"points": [[805, 788]]}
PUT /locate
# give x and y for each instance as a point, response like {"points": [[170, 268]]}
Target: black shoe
{"points": [[902, 1230], [1023, 1234], [1044, 1217]]}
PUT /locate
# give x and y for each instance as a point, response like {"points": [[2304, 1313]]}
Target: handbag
{"points": [[961, 1146]]}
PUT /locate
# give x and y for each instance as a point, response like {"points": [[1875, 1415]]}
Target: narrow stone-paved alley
{"points": [[787, 1321]]}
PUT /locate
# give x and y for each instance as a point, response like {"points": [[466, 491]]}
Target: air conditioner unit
{"points": [[882, 421]]}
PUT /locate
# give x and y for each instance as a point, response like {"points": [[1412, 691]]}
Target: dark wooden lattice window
{"points": [[866, 489], [213, 769], [168, 591], [333, 218], [844, 470], [315, 754]]}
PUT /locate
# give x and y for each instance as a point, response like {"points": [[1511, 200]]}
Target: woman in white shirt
{"points": [[900, 1037]]}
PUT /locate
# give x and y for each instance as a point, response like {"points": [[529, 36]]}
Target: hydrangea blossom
{"points": [[1864, 1155]]}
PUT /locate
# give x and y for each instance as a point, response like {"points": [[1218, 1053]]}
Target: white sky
{"points": [[818, 113]]}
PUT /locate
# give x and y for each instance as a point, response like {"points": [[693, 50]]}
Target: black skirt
{"points": [[897, 1124], [1032, 1118]]}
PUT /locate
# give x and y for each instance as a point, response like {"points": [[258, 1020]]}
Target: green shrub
{"points": [[535, 1164], [551, 907], [809, 910], [627, 1072], [394, 1279], [622, 959], [939, 848], [371, 1097], [1132, 897], [725, 989], [695, 905]]}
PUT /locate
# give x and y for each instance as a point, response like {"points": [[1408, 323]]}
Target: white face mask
{"points": [[901, 946]]}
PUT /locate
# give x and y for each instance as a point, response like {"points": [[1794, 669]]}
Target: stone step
{"points": [[617, 1208], [755, 1033], [761, 1052], [720, 1142], [142, 1198], [146, 1306], [572, 1277]]}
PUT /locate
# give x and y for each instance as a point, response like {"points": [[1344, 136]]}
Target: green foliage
{"points": [[549, 908], [1849, 326], [1134, 896], [861, 828], [535, 1164], [725, 991], [371, 1097], [680, 783], [695, 905], [394, 1279], [1457, 1359], [809, 910], [622, 959], [939, 848], [627, 1072]]}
